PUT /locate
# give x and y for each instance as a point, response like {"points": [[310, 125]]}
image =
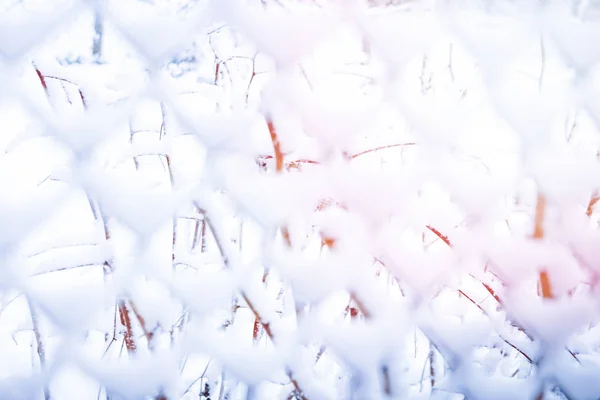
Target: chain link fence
{"points": [[299, 200]]}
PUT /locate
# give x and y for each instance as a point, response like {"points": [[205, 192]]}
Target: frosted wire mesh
{"points": [[299, 200]]}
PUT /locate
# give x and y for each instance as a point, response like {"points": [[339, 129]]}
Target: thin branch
{"points": [[198, 378], [149, 334], [389, 146], [276, 145], [501, 337], [252, 76], [40, 347], [439, 234], [67, 268], [265, 324], [593, 200], [538, 234], [126, 323]]}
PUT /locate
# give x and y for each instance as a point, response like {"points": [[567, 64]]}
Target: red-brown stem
{"points": [[486, 314], [82, 97], [297, 164], [487, 287], [252, 76], [540, 211], [360, 305], [217, 70], [446, 240], [42, 80], [279, 168], [545, 285], [353, 311], [266, 325], [492, 292], [45, 86], [126, 322], [593, 200], [326, 203], [439, 234], [256, 330], [389, 146], [538, 234], [276, 146], [294, 164], [327, 241], [285, 233], [149, 335]]}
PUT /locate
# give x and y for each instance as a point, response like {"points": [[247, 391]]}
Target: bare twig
{"points": [[593, 200], [265, 324], [438, 234], [501, 337], [389, 146], [252, 76], [276, 145], [40, 348], [126, 323], [538, 234]]}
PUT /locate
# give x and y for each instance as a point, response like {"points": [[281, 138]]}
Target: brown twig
{"points": [[252, 76], [265, 324], [126, 323], [501, 337], [492, 292], [593, 200], [440, 235], [389, 146], [149, 334], [446, 240], [261, 162], [276, 145], [45, 86], [42, 80], [538, 234], [360, 305], [545, 285], [540, 211]]}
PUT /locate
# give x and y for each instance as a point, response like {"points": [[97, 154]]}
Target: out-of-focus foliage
{"points": [[233, 199]]}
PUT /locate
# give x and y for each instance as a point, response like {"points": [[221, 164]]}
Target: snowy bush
{"points": [[277, 199]]}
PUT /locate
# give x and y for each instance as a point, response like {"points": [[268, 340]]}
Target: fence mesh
{"points": [[299, 200]]}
